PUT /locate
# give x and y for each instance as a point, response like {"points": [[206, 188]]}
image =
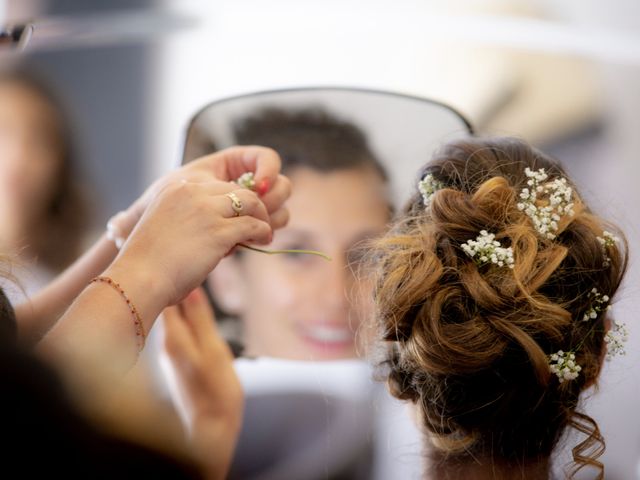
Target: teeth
{"points": [[323, 333]]}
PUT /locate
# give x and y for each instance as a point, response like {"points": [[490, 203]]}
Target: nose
{"points": [[337, 281]]}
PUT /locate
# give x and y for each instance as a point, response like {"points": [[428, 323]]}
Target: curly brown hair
{"points": [[469, 344]]}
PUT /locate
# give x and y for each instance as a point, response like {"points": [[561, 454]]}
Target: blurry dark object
{"points": [[44, 426], [16, 37]]}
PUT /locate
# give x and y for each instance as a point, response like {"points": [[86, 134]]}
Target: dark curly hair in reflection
{"points": [[469, 345]]}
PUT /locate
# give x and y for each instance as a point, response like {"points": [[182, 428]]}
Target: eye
{"points": [[298, 258], [293, 246]]}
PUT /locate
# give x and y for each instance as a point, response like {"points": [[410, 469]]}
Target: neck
{"points": [[488, 469]]}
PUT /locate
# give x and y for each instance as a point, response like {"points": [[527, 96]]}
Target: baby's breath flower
{"points": [[615, 339], [247, 180], [545, 218], [428, 186], [607, 241], [486, 249], [564, 365], [599, 303]]}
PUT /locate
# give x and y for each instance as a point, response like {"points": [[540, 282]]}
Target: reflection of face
{"points": [[300, 306], [29, 157]]}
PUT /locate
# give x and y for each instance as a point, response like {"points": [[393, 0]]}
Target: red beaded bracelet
{"points": [[137, 321]]}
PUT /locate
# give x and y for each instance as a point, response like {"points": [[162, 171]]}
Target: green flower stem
{"points": [[591, 330], [274, 252]]}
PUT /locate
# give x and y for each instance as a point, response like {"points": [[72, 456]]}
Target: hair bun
{"points": [[471, 339]]}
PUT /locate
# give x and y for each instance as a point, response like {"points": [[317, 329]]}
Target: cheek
{"points": [[46, 172], [272, 292]]}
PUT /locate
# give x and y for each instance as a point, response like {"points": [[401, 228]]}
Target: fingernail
{"points": [[263, 187], [194, 296]]}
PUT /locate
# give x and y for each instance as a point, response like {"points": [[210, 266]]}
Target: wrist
{"points": [[145, 290]]}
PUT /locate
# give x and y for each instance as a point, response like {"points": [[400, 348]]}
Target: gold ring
{"points": [[236, 203]]}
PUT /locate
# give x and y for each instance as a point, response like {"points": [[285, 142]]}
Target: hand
{"points": [[185, 231], [225, 165], [209, 392]]}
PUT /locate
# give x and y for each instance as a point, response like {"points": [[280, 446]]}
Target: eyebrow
{"points": [[306, 236]]}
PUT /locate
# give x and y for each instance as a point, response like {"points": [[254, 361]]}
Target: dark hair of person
{"points": [[309, 137]]}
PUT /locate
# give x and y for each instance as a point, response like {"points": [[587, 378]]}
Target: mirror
{"points": [[353, 156]]}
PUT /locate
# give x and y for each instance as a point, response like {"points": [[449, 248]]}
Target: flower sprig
{"points": [[564, 365], [607, 241], [486, 249], [615, 339], [559, 203], [428, 186], [247, 180], [599, 303]]}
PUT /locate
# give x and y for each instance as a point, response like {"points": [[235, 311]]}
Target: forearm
{"points": [[98, 329], [214, 443]]}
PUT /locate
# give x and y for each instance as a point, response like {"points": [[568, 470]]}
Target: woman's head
{"points": [[41, 208], [469, 341], [299, 306]]}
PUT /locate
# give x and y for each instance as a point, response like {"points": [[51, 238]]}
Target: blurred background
{"points": [[564, 75]]}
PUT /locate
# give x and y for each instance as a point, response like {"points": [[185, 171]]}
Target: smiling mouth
{"points": [[329, 334]]}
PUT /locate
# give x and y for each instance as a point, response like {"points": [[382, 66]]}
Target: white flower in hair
{"points": [[608, 240], [559, 202], [247, 180], [564, 365], [486, 249], [428, 186], [599, 304], [615, 339]]}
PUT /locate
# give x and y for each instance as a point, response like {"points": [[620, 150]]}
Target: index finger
{"points": [[230, 163]]}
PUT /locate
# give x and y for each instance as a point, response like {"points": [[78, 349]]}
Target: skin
{"points": [[212, 398], [284, 299], [30, 158]]}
